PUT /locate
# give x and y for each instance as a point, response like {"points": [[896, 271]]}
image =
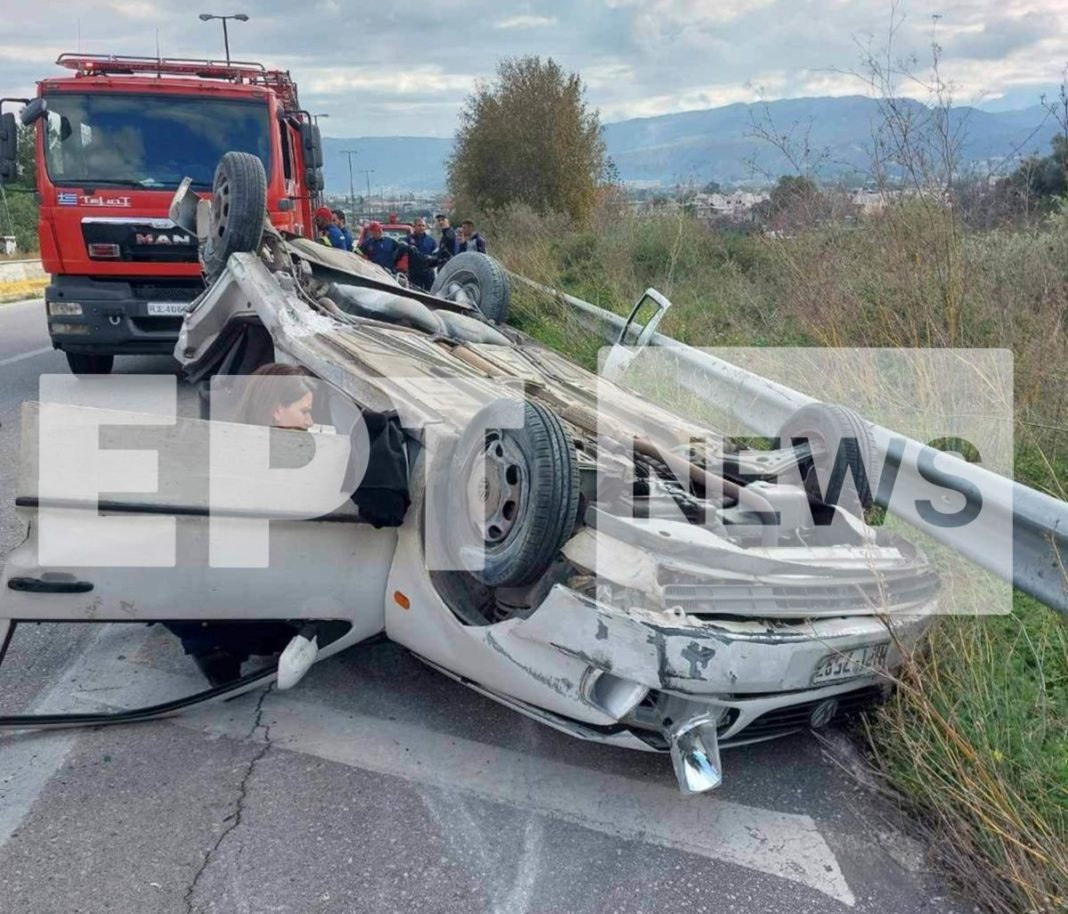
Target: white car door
{"points": [[205, 529]]}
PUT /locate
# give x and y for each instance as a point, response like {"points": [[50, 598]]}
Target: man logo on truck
{"points": [[116, 136], [148, 238]]}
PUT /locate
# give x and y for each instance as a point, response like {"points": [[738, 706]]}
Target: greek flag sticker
{"points": [[67, 199]]}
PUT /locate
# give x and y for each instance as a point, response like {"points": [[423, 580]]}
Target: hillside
{"points": [[699, 146]]}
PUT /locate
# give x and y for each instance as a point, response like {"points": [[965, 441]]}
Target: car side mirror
{"points": [[9, 147], [638, 330], [190, 212]]}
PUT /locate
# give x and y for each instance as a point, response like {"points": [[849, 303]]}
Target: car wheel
{"points": [[238, 210], [517, 495], [477, 279], [85, 363], [842, 447]]}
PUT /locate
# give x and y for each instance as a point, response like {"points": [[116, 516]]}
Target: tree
{"points": [[1041, 179], [712, 187], [18, 204], [791, 191], [528, 137], [27, 158]]}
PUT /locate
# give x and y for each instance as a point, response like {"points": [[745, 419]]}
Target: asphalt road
{"points": [[378, 785]]}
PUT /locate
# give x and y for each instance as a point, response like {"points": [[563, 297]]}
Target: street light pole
{"points": [[240, 17], [315, 117], [349, 153], [367, 172]]}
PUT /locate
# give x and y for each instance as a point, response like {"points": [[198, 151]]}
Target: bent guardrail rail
{"points": [[1038, 565]]}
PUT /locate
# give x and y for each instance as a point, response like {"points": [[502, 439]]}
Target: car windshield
{"points": [[149, 140]]}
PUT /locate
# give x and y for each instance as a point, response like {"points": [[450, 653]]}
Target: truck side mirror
{"points": [[9, 147], [312, 141], [33, 112], [313, 177]]}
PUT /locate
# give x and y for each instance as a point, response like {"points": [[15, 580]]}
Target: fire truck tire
{"points": [[85, 363], [483, 281], [238, 210]]}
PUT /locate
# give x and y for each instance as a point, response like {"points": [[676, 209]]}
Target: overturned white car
{"points": [[537, 532]]}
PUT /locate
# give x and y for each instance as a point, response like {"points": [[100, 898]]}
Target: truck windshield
{"points": [[149, 141]]}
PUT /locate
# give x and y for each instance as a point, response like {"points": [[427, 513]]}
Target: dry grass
{"points": [[19, 289], [976, 739]]}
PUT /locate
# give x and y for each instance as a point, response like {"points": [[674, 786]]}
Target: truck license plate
{"points": [[168, 308], [862, 661]]}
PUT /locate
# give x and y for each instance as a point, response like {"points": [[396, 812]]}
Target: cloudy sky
{"points": [[398, 68]]}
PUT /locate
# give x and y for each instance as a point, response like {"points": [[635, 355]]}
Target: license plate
{"points": [[168, 308], [862, 661]]}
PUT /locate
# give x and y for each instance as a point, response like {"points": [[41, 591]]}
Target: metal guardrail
{"points": [[1037, 563]]}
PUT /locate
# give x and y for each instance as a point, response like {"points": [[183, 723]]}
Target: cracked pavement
{"points": [[233, 821], [379, 785]]}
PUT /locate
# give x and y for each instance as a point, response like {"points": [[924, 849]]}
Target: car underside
{"points": [[573, 550]]}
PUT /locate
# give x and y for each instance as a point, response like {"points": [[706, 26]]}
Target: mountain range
{"points": [[716, 144]]}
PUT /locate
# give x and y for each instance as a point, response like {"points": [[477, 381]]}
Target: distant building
{"points": [[738, 204]]}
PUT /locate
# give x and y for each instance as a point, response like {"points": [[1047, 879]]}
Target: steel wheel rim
{"points": [[496, 488], [220, 208]]}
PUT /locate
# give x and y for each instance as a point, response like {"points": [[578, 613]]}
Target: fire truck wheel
{"points": [[84, 363], [238, 210]]}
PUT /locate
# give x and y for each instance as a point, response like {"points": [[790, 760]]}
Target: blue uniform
{"points": [[331, 236], [346, 237], [384, 251]]}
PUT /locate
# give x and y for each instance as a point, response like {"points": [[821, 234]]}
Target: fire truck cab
{"points": [[113, 143]]}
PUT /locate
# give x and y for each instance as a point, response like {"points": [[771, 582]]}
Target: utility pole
{"points": [[352, 187], [367, 172]]}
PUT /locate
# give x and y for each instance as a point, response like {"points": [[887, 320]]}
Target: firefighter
{"points": [[329, 234], [380, 248], [346, 235], [421, 250]]}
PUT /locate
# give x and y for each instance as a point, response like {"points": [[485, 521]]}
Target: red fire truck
{"points": [[113, 142]]}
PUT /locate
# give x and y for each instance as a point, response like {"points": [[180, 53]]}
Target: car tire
{"points": [[238, 210], [528, 496], [843, 444], [86, 363], [482, 279]]}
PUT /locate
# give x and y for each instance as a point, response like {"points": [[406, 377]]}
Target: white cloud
{"points": [[402, 80], [526, 22], [637, 57]]}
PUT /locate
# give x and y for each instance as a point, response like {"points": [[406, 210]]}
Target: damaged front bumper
{"points": [[690, 686]]}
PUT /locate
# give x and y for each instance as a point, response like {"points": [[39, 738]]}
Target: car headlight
{"points": [[64, 309]]}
